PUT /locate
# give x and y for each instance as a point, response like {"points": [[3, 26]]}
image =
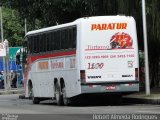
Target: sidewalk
{"points": [[12, 91], [142, 98]]}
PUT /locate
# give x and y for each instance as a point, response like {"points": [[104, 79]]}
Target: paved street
{"points": [[11, 104]]}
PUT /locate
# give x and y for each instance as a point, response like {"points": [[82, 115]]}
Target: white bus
{"points": [[93, 55]]}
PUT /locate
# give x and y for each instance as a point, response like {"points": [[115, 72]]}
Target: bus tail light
{"points": [[136, 73], [83, 76]]}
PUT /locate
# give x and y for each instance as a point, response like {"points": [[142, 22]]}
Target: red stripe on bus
{"points": [[50, 55], [108, 49]]}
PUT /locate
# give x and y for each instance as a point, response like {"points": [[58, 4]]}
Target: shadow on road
{"points": [[85, 101]]}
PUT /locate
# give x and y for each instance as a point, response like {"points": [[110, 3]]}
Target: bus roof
{"points": [[50, 28], [76, 22]]}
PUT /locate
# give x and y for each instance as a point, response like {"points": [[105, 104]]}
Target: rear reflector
{"points": [[83, 76], [136, 73]]}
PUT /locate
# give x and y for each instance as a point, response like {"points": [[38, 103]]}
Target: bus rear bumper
{"points": [[110, 88]]}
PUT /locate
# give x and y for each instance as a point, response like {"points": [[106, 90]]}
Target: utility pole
{"points": [[4, 61], [147, 82], [25, 21], [1, 22]]}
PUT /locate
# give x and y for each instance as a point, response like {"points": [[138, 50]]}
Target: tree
{"points": [[13, 30], [153, 18]]}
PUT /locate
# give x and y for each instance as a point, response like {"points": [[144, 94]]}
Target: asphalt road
{"points": [[12, 105]]}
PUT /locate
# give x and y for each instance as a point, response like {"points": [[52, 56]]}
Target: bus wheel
{"points": [[66, 100], [58, 95], [34, 99]]}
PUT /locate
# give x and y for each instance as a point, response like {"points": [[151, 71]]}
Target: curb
{"points": [[11, 92]]}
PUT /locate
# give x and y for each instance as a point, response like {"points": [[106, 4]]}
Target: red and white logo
{"points": [[121, 40]]}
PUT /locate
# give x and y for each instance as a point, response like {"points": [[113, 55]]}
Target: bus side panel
{"points": [[60, 68]]}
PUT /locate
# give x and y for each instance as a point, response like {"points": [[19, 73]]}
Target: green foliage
{"points": [[51, 12], [153, 18], [12, 28]]}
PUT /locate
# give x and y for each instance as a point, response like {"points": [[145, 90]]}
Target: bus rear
{"points": [[109, 55]]}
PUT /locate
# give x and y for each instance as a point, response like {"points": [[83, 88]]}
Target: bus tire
{"points": [[34, 99], [59, 98], [66, 100]]}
